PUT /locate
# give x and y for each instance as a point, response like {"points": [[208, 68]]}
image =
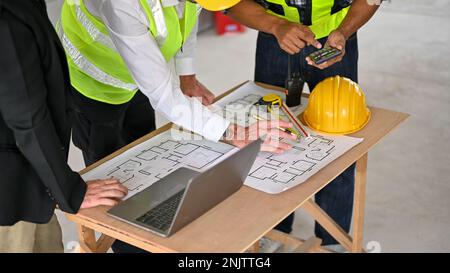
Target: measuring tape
{"points": [[271, 100]]}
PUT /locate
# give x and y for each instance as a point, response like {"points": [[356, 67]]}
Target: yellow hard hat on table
{"points": [[337, 105], [216, 5]]}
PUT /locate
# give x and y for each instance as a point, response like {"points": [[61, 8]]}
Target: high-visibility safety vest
{"points": [[96, 69], [322, 16]]}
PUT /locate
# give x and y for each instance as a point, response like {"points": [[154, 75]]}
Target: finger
{"points": [[94, 202], [335, 60], [273, 124], [270, 149], [278, 144], [278, 151], [330, 62], [339, 44], [111, 194], [100, 183], [276, 133], [320, 66], [297, 43], [110, 185], [104, 202], [292, 47], [118, 187], [287, 50], [283, 124], [274, 148], [289, 47], [309, 38], [208, 98]]}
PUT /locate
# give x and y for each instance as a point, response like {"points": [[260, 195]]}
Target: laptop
{"points": [[184, 195]]}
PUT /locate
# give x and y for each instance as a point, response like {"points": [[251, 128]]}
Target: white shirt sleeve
{"points": [[185, 58], [127, 26]]}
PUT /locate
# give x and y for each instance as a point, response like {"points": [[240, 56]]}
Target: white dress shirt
{"points": [[129, 30]]}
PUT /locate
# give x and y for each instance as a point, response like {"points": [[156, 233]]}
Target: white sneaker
{"points": [[267, 245]]}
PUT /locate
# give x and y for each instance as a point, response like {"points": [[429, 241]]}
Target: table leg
{"points": [[359, 203], [328, 224], [88, 243], [351, 244]]}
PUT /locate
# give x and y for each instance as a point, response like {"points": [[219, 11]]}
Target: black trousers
{"points": [[271, 67], [100, 129]]}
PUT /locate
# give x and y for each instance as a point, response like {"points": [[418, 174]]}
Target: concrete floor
{"points": [[404, 66]]}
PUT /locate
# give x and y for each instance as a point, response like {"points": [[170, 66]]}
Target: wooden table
{"points": [[236, 224]]}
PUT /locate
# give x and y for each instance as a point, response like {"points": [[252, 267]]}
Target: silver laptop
{"points": [[184, 195]]}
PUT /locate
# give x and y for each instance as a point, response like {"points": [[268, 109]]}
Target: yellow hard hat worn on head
{"points": [[216, 5], [337, 105]]}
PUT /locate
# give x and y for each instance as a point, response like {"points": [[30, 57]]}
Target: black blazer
{"points": [[34, 118]]}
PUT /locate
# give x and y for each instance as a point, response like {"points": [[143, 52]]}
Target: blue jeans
{"points": [[271, 67]]}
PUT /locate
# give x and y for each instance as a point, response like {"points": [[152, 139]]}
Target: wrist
{"points": [[344, 32], [187, 80], [275, 25]]}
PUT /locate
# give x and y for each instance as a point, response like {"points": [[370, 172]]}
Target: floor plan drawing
{"points": [[146, 163], [152, 160], [239, 107], [274, 173]]}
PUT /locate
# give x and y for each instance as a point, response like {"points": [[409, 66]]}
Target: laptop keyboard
{"points": [[161, 216]]}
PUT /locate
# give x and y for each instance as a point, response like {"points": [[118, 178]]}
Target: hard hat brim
{"points": [[369, 116], [217, 5]]}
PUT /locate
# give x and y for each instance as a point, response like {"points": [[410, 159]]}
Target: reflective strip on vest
{"points": [[199, 10], [89, 68], [95, 33], [160, 23]]}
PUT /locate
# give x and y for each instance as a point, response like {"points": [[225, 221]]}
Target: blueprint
{"points": [[238, 107], [274, 173], [146, 163]]}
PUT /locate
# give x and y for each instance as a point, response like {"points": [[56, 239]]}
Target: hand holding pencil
{"points": [[286, 130]]}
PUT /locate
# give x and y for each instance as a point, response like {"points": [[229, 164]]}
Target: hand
{"points": [[337, 40], [191, 87], [240, 136], [103, 192], [292, 37]]}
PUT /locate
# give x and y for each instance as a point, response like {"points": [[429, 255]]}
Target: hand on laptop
{"points": [[103, 192], [272, 130]]}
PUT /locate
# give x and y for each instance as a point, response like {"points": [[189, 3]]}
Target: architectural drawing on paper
{"points": [[294, 164], [154, 159], [148, 162], [274, 173], [240, 110]]}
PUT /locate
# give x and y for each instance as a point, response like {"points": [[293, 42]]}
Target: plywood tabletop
{"points": [[237, 223]]}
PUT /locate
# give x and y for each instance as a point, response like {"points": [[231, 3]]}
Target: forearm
{"points": [[360, 12], [253, 15]]}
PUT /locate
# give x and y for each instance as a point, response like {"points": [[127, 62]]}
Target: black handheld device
{"points": [[322, 55], [294, 85]]}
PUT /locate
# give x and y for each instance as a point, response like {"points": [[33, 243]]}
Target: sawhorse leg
{"points": [[88, 243], [313, 244], [351, 244]]}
